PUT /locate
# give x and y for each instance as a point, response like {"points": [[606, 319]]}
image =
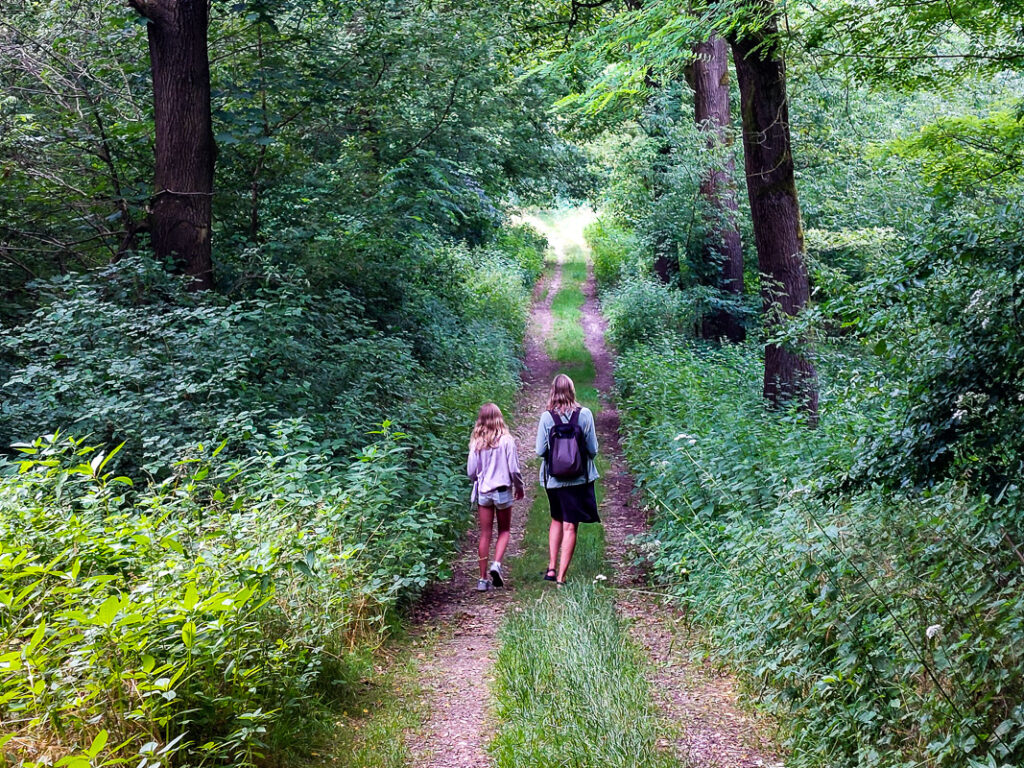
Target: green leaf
{"points": [[98, 744], [188, 634], [107, 612]]}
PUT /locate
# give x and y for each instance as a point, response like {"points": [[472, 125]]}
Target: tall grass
{"points": [[571, 688]]}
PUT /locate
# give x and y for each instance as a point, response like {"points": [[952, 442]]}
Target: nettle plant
{"points": [[202, 619]]}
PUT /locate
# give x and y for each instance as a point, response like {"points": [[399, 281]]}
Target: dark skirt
{"points": [[573, 504]]}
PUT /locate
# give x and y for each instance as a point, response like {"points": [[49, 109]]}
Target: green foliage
{"points": [[320, 545], [341, 130], [943, 316], [97, 357], [640, 308], [525, 247], [882, 626], [206, 617], [614, 251], [969, 154], [906, 45]]}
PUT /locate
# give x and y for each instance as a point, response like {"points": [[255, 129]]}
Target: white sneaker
{"points": [[496, 576], [482, 585]]}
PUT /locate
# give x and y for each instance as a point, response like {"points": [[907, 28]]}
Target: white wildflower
{"points": [[934, 631]]}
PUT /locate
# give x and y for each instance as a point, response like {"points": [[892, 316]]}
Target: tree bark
{"points": [[180, 213], [771, 187], [723, 253]]}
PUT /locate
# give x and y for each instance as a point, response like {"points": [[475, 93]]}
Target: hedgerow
{"points": [[865, 578], [168, 602], [883, 626]]}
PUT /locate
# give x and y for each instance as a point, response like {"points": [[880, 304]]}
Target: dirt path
{"points": [[458, 726], [698, 703]]}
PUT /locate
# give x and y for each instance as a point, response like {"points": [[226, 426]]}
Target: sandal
{"points": [[559, 584], [549, 574]]}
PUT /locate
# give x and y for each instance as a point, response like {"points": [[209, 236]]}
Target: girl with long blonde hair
{"points": [[572, 499], [562, 397], [493, 465]]}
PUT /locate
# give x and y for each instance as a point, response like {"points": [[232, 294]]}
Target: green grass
{"points": [[370, 726], [569, 682], [571, 689], [567, 344]]}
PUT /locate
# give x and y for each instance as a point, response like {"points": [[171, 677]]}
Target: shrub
{"points": [[202, 618], [126, 353], [167, 605], [615, 251], [882, 626], [641, 308], [525, 247]]}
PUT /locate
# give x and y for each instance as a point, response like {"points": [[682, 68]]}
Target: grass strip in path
{"points": [[569, 682]]}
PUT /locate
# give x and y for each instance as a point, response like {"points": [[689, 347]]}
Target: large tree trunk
{"points": [[771, 186], [709, 79], [180, 214]]}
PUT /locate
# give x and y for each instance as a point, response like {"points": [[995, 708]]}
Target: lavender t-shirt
{"points": [[494, 467]]}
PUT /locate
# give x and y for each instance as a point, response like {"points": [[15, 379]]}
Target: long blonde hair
{"points": [[562, 398], [489, 428]]}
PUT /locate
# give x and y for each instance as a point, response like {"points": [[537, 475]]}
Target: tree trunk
{"points": [[180, 213], [771, 187], [709, 78]]}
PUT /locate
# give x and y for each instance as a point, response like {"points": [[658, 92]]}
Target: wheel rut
{"points": [[463, 624], [698, 703]]}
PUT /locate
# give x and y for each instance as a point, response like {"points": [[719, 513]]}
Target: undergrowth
{"points": [[171, 603], [884, 627]]}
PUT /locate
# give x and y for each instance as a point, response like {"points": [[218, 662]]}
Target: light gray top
{"points": [[586, 422]]}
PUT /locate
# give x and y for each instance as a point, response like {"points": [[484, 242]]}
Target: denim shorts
{"points": [[499, 498]]}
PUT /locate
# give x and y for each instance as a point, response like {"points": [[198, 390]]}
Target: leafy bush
{"points": [[128, 354], [942, 317], [203, 618], [883, 626], [179, 606], [640, 308], [846, 254], [525, 247], [614, 251]]}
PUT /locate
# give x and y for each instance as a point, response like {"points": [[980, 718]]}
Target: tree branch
{"points": [[153, 10]]}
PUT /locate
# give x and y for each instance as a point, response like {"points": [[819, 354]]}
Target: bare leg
{"points": [[554, 543], [504, 526], [568, 547], [486, 517]]}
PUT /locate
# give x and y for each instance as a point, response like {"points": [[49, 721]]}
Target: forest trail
{"points": [[697, 703]]}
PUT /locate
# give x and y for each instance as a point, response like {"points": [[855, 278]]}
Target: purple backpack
{"points": [[567, 452]]}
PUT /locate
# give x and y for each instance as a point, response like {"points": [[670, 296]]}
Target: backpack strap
{"points": [[574, 417]]}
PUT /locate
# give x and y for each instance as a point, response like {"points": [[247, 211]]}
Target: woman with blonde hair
{"points": [[567, 445], [493, 465]]}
